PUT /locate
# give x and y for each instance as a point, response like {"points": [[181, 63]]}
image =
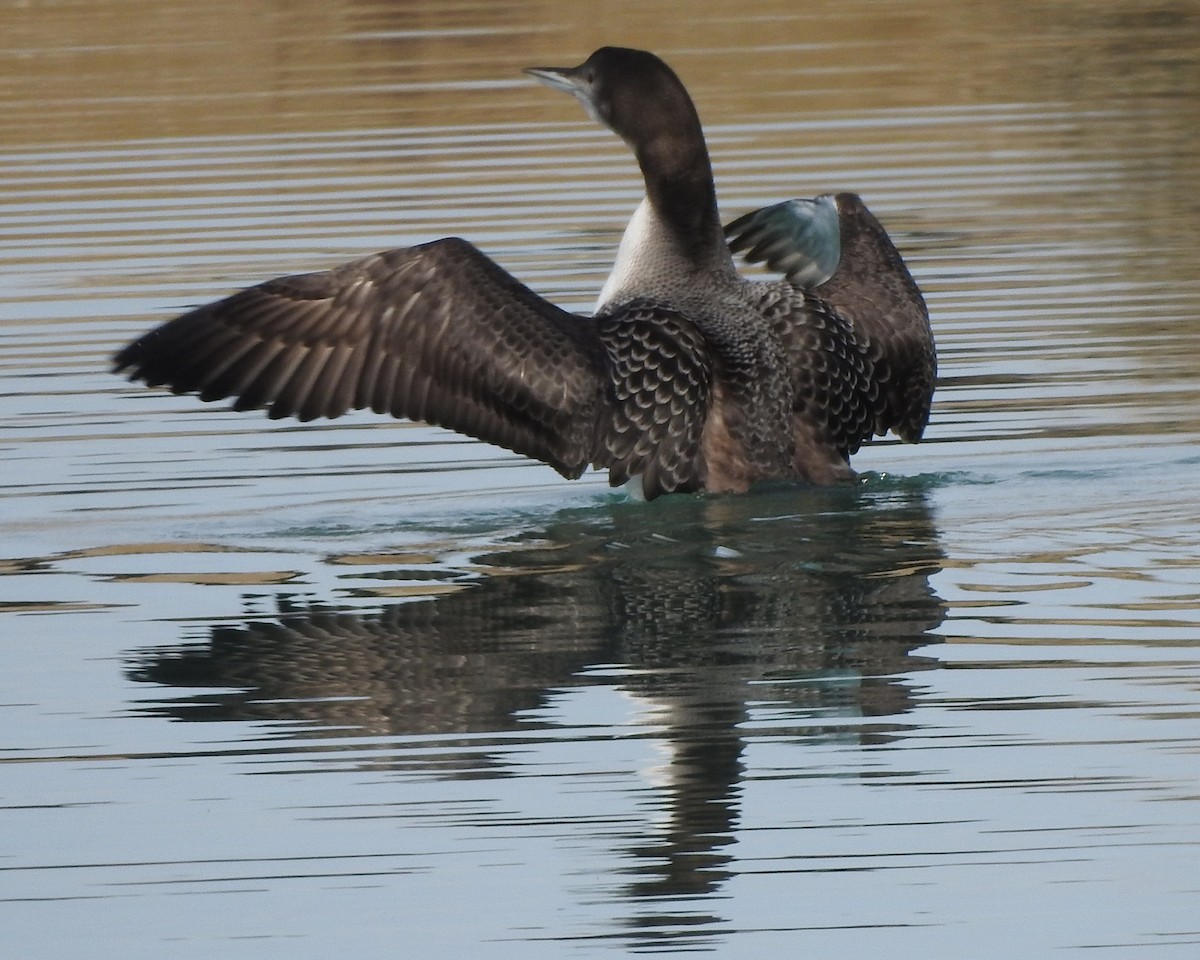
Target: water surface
{"points": [[361, 686]]}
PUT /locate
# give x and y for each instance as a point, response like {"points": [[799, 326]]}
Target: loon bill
{"points": [[688, 377]]}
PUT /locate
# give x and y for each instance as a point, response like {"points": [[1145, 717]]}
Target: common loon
{"points": [[688, 377]]}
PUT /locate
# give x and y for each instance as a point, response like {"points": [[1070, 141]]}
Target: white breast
{"points": [[631, 273]]}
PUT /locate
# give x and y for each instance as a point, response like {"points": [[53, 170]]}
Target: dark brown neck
{"points": [[679, 183]]}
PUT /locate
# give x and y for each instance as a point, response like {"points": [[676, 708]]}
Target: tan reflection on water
{"points": [[118, 69]]}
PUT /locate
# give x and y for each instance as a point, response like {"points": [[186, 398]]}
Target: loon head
{"points": [[638, 97]]}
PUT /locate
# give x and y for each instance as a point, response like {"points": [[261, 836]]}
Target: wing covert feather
{"points": [[660, 392]]}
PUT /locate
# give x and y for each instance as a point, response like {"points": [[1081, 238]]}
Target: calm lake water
{"points": [[367, 688]]}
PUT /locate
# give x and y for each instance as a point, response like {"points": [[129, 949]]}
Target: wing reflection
{"points": [[811, 603]]}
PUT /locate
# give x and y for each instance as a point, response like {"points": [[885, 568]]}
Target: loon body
{"points": [[688, 377]]}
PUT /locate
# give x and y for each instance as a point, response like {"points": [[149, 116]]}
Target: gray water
{"points": [[368, 688]]}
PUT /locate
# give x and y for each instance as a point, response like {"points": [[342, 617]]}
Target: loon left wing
{"points": [[437, 332], [835, 249]]}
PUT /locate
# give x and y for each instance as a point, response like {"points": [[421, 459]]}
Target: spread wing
{"points": [[437, 332], [869, 285]]}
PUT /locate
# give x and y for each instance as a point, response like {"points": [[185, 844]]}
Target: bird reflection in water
{"points": [[704, 606]]}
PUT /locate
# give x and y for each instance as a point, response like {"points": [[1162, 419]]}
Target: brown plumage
{"points": [[688, 377], [865, 280]]}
